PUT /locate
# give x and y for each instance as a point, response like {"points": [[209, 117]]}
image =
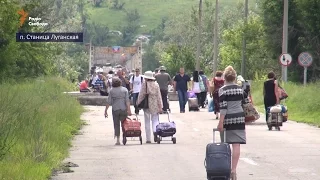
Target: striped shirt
{"points": [[231, 98]]}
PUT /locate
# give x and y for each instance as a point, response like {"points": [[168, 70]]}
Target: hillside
{"points": [[151, 11]]}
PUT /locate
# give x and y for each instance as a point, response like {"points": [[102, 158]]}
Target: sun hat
{"points": [[148, 75]]}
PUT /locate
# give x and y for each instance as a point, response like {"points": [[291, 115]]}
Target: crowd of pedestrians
{"points": [[228, 96]]}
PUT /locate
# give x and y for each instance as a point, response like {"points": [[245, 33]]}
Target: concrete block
{"points": [[93, 100]]}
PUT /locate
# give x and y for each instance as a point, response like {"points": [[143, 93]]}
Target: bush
{"points": [[37, 122], [303, 103]]}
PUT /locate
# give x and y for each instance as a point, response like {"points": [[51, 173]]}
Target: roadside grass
{"points": [[151, 12], [37, 123], [303, 102]]}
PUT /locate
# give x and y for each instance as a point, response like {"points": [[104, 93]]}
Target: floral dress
{"points": [[154, 98]]}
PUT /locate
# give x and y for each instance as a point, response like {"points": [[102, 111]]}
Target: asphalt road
{"points": [[290, 154]]}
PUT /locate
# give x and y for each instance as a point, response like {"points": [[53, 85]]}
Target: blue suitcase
{"points": [[218, 159]]}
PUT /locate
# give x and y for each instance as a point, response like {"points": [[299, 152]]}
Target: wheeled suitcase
{"points": [[218, 159], [166, 129], [131, 128], [193, 104]]}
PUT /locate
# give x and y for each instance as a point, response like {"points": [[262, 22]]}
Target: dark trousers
{"points": [[85, 90], [183, 99], [135, 98], [104, 93], [203, 97], [199, 98], [164, 96], [118, 117]]}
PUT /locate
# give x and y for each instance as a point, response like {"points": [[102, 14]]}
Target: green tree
{"points": [[257, 53]]}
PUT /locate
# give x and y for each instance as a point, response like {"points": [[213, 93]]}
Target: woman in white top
{"points": [[195, 86]]}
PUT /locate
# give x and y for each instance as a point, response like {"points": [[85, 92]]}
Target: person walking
{"points": [[164, 80], [270, 92], [218, 82], [109, 81], [119, 100], [180, 85], [195, 85], [232, 117], [124, 82], [203, 94], [135, 86], [150, 87]]}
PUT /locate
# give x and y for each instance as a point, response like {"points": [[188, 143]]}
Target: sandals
{"points": [[233, 176]]}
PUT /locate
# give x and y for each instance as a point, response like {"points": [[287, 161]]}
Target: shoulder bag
{"points": [[250, 112], [144, 104]]}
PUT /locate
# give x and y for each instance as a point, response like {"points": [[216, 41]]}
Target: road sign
{"points": [[285, 59], [305, 59]]}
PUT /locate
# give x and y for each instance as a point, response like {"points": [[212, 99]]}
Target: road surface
{"points": [[290, 154]]}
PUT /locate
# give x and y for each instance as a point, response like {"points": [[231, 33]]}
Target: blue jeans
{"points": [[135, 98], [183, 98]]}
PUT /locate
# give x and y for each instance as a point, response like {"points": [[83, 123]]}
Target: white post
{"points": [[199, 37], [285, 38], [305, 76], [90, 52], [244, 43], [215, 39]]}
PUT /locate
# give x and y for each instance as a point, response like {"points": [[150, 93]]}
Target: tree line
{"points": [[175, 40]]}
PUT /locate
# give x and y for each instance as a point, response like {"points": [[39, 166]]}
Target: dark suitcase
{"points": [[166, 129], [193, 104], [218, 159]]}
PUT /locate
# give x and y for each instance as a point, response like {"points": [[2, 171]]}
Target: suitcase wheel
{"points": [[158, 140], [140, 138], [278, 128], [270, 127], [124, 140], [174, 140]]}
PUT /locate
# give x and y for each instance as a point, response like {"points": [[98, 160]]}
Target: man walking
{"points": [[124, 82], [163, 79], [135, 86], [181, 86]]}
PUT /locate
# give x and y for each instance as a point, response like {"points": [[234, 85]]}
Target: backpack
{"points": [[246, 86], [201, 84]]}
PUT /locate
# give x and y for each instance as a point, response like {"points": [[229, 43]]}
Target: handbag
{"points": [[144, 104], [250, 112], [283, 94]]}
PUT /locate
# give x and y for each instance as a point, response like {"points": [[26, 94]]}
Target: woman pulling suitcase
{"points": [[232, 117], [151, 91]]}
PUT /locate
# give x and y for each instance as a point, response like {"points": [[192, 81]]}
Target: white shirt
{"points": [[94, 79], [136, 85], [109, 83]]}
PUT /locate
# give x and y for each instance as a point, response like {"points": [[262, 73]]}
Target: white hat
{"points": [[148, 75]]}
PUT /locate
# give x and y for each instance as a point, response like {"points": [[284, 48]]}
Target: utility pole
{"points": [[244, 41], [199, 36], [90, 52], [215, 39], [285, 37]]}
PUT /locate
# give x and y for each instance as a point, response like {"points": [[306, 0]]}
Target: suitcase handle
{"points": [[168, 117], [214, 135]]}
